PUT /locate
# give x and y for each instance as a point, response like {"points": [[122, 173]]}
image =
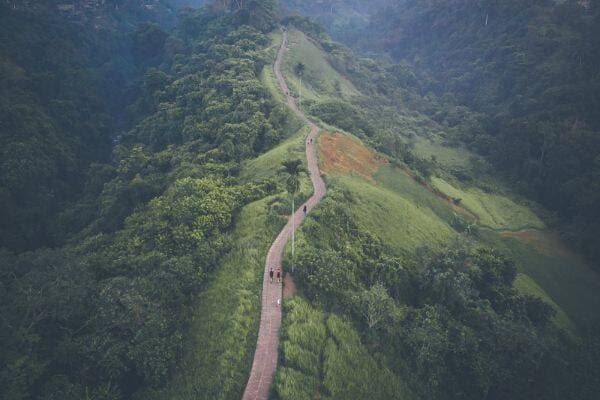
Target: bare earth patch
{"points": [[289, 287], [544, 242], [341, 154]]}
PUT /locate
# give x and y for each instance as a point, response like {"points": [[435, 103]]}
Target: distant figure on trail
{"points": [[279, 276], [278, 302], [311, 140], [304, 209], [271, 275]]}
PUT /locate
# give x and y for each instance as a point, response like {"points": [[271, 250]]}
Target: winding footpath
{"points": [[265, 356]]}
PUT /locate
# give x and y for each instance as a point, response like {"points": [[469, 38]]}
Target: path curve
{"points": [[265, 356]]}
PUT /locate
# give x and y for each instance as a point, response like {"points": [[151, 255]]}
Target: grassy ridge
{"points": [[226, 317]]}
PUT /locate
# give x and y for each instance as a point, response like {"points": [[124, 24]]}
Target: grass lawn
{"points": [[494, 211], [565, 277], [267, 165], [319, 77], [405, 186], [455, 158], [526, 285], [399, 222]]}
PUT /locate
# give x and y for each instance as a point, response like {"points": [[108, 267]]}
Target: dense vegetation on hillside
{"points": [[518, 83], [444, 322], [56, 117], [106, 315], [140, 190], [448, 322]]}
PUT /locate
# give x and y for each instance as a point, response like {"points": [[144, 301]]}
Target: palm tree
{"points": [[299, 70], [293, 168]]}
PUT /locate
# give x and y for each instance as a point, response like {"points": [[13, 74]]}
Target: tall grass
{"points": [[322, 357]]}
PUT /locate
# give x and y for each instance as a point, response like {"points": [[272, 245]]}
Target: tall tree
{"points": [[293, 168]]}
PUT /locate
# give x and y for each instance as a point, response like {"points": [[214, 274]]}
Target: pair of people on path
{"points": [[278, 275]]}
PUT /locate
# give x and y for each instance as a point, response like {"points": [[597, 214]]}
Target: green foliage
{"points": [[526, 285], [520, 84], [292, 169], [451, 321], [342, 115], [262, 14], [323, 355], [107, 315], [218, 354], [56, 118]]}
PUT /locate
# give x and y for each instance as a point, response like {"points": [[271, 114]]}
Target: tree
{"points": [[375, 305], [299, 69], [293, 168]]}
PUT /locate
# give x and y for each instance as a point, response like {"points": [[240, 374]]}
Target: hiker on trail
{"points": [[304, 209], [279, 276], [278, 302], [311, 140], [271, 274]]}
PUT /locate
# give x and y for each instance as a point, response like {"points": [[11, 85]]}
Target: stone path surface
{"points": [[266, 354]]}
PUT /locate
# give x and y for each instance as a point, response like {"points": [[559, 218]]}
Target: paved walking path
{"points": [[265, 356]]}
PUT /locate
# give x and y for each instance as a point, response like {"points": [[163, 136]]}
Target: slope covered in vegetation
{"points": [[517, 83], [140, 190], [430, 317], [107, 315]]}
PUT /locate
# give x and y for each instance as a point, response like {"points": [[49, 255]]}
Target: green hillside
{"points": [[149, 159], [401, 214]]}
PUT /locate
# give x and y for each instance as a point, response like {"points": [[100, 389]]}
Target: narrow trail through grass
{"points": [[266, 354]]}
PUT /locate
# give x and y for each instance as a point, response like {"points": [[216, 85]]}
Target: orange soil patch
{"points": [[341, 154], [289, 287], [544, 242]]}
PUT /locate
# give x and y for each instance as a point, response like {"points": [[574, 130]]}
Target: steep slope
{"points": [[528, 73], [107, 315], [68, 73], [361, 256]]}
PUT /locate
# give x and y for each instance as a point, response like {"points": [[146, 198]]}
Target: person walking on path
{"points": [[304, 209], [278, 275], [271, 275]]}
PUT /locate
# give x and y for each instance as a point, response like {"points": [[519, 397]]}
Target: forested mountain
{"points": [[429, 322], [344, 19], [521, 82], [105, 315], [67, 75], [531, 73], [143, 180]]}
